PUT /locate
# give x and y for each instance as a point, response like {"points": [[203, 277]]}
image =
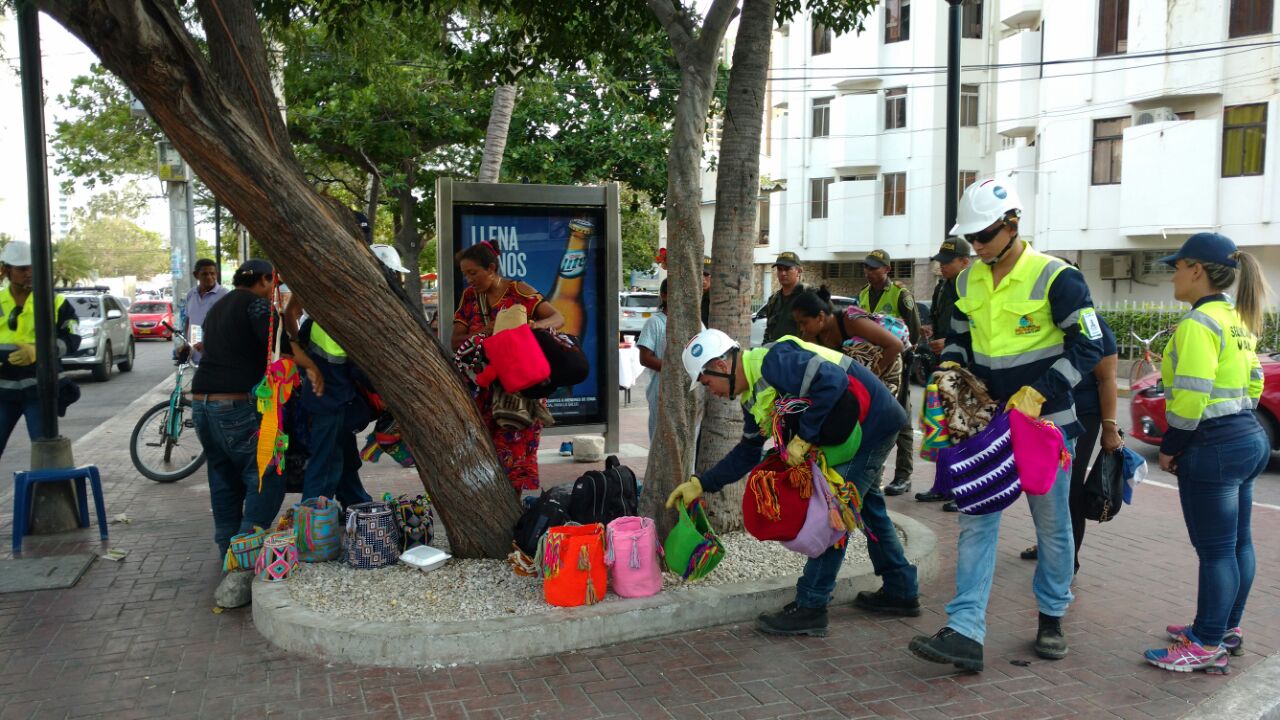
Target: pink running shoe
{"points": [[1186, 656], [1233, 640]]}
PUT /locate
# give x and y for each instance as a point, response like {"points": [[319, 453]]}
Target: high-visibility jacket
{"points": [[888, 302], [331, 359], [24, 333], [800, 369], [1038, 328], [1210, 370], [323, 344]]}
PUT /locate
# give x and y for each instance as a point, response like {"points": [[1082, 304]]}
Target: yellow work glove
{"points": [[686, 492], [797, 449], [24, 355], [1026, 401]]}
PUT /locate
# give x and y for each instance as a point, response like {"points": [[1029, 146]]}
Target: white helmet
{"points": [[702, 349], [983, 203], [389, 257], [17, 254]]}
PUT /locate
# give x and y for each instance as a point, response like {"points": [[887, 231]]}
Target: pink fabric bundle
{"points": [[515, 360], [1039, 452]]}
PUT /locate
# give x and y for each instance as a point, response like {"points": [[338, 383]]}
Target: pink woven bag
{"points": [[634, 568], [1039, 452]]}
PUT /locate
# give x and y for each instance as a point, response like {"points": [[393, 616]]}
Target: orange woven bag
{"points": [[571, 558]]}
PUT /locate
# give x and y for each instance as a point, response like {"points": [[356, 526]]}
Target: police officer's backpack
{"points": [[604, 496]]}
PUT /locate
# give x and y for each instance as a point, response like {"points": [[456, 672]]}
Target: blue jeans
{"points": [[1215, 485], [976, 559], [813, 589], [15, 404], [324, 467], [228, 430], [350, 490]]}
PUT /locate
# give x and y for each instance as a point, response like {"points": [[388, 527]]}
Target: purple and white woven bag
{"points": [[980, 472]]}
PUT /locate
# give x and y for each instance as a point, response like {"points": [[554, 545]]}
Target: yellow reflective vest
{"points": [[1210, 368], [25, 331], [888, 303], [324, 345]]}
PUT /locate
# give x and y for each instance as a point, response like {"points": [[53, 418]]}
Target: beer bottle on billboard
{"points": [[567, 295]]}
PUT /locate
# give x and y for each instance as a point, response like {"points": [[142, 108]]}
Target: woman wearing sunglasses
{"points": [[1025, 325], [18, 396]]}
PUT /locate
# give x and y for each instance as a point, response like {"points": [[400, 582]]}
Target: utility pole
{"points": [[54, 506], [217, 237], [177, 178], [953, 114]]}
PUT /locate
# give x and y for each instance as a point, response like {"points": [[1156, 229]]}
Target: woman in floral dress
{"points": [[486, 294]]}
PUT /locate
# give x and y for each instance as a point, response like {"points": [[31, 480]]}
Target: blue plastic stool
{"points": [[22, 496]]}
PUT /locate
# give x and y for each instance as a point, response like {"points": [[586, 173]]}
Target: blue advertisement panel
{"points": [[560, 252]]}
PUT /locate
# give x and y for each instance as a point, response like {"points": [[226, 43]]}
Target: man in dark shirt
{"points": [[778, 318], [236, 342]]}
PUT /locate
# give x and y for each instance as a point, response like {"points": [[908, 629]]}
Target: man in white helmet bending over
{"points": [[1025, 325], [844, 398]]}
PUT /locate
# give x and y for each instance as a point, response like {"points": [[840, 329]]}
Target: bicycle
{"points": [[164, 446], [1150, 360]]}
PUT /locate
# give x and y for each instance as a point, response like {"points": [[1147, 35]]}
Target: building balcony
{"points": [[1169, 182], [1020, 13], [850, 223], [855, 123], [1018, 97]]}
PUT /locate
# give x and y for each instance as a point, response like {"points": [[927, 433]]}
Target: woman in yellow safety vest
{"points": [[1214, 444]]}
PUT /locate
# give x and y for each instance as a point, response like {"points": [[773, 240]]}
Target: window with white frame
{"points": [[821, 117], [895, 108], [897, 20], [819, 191], [895, 194], [968, 106]]}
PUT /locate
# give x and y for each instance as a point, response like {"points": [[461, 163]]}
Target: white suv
{"points": [[106, 340], [634, 308]]}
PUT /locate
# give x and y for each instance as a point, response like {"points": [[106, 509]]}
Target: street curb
{"points": [[294, 628], [1253, 696]]}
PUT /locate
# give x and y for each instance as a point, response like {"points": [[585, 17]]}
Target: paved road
{"points": [[98, 402]]}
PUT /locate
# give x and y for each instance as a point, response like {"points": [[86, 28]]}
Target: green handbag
{"points": [[692, 548]]}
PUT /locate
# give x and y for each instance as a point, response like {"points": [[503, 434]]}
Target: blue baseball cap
{"points": [[1207, 247]]}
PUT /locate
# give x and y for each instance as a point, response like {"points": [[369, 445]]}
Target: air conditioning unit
{"points": [[1116, 267], [1154, 115]]}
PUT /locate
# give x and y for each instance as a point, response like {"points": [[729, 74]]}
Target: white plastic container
{"points": [[424, 557]]}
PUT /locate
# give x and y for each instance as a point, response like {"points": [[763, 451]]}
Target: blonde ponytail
{"points": [[1252, 292]]}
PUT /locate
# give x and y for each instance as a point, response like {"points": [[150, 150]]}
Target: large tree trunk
{"points": [[408, 239], [373, 196], [223, 122], [670, 457], [734, 236], [495, 138]]}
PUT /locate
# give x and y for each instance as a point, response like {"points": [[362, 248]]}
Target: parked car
{"points": [[148, 319], [758, 320], [106, 340], [634, 308], [1146, 405]]}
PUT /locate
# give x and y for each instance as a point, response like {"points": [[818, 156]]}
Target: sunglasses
{"points": [[13, 317], [986, 236]]}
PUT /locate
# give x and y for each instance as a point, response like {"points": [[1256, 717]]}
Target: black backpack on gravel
{"points": [[550, 510], [604, 496]]}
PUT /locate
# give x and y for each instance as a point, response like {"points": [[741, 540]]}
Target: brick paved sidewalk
{"points": [[137, 639]]}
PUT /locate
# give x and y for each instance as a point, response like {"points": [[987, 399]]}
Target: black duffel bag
{"points": [[1104, 487]]}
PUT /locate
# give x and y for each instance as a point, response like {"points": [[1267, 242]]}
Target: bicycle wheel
{"points": [[160, 456], [1141, 368]]}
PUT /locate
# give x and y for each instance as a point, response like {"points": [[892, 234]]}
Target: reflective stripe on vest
{"points": [[888, 304], [25, 332], [759, 398], [1011, 325], [1211, 368], [326, 346]]}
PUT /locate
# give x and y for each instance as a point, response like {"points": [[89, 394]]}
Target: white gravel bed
{"points": [[478, 589]]}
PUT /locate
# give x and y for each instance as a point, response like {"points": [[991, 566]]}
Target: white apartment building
{"points": [[1127, 125], [858, 135]]}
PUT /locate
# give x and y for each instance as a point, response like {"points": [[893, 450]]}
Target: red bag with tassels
{"points": [[571, 558], [776, 500]]}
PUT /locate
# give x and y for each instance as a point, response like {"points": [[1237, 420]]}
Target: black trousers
{"points": [[1085, 445], [905, 443]]}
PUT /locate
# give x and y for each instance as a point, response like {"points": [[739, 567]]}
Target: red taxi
{"points": [[146, 318]]}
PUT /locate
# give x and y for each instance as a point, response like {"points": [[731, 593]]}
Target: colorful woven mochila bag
{"points": [[414, 519], [933, 424], [776, 499], [317, 530], [278, 558], [980, 473], [632, 556], [571, 558], [692, 549], [271, 393], [371, 539], [243, 552]]}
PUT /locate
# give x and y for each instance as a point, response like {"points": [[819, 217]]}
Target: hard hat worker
{"points": [[1025, 325], [792, 368], [18, 396]]}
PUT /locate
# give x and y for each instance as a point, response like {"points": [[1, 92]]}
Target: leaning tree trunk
{"points": [[408, 239], [733, 237], [670, 457], [222, 117], [372, 197], [495, 138]]}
